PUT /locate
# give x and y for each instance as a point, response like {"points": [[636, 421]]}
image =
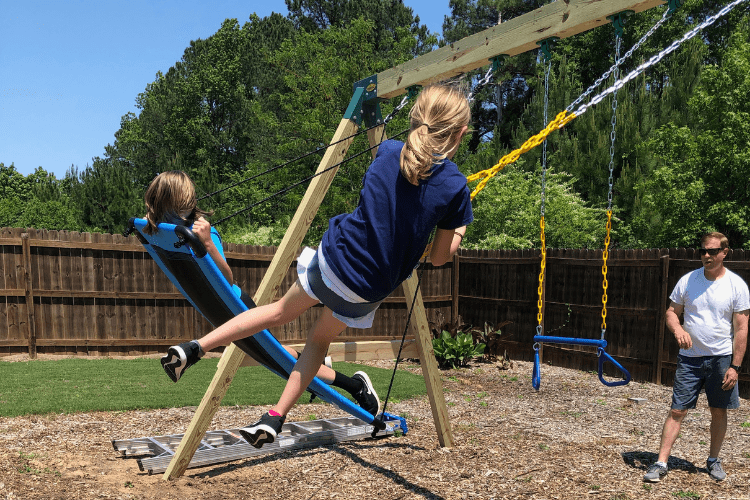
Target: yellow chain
{"points": [[559, 122], [540, 290], [562, 119], [605, 283]]}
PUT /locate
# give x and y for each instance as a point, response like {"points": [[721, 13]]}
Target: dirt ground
{"points": [[575, 438]]}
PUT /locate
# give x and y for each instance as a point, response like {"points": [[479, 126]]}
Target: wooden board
{"points": [[559, 19]]}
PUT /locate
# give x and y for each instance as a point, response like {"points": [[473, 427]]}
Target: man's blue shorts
{"points": [[695, 373]]}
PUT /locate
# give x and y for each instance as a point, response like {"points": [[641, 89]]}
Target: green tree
{"points": [[37, 200], [507, 214], [388, 16], [700, 182], [13, 184], [320, 68], [106, 196]]}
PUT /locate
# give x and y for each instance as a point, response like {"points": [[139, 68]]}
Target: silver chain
{"points": [[658, 57], [486, 79], [612, 135], [619, 61], [544, 144], [396, 109]]}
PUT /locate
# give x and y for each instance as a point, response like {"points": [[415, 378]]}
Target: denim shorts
{"points": [[321, 284], [703, 372]]}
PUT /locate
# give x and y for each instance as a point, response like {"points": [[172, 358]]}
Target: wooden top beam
{"points": [[562, 18]]}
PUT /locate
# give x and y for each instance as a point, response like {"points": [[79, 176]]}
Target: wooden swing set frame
{"points": [[562, 19]]}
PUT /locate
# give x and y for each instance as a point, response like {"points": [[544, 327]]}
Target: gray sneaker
{"points": [[655, 473], [715, 470]]}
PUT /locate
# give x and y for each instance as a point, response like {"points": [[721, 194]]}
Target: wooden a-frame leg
{"points": [[430, 371], [268, 288]]}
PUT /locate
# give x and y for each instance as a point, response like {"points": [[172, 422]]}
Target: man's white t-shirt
{"points": [[709, 308]]}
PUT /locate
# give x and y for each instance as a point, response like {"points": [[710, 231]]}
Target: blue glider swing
{"points": [[539, 338], [187, 264]]}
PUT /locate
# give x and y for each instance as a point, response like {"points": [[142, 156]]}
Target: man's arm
{"points": [[739, 321], [673, 324]]}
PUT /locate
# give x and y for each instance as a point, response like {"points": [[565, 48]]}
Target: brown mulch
{"points": [[575, 438]]}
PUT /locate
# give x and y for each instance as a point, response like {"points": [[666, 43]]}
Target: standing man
{"points": [[712, 339]]}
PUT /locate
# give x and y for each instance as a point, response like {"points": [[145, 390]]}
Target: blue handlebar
{"points": [[603, 355]]}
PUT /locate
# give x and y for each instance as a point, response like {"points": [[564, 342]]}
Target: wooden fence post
{"points": [[664, 296], [29, 294], [454, 291]]}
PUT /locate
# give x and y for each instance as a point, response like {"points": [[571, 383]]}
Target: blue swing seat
{"points": [[187, 264], [603, 356]]}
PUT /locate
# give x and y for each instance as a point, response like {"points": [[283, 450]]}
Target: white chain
{"points": [[612, 135], [619, 61], [544, 144], [396, 109], [487, 78], [658, 57]]}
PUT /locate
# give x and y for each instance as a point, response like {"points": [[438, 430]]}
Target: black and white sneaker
{"points": [[181, 357], [366, 397], [263, 431]]}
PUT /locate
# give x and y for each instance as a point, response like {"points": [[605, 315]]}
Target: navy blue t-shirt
{"points": [[376, 247]]}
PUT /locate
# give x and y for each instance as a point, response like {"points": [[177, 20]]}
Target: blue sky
{"points": [[70, 69]]}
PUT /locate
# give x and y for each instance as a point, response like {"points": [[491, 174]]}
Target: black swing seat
{"points": [[187, 264]]}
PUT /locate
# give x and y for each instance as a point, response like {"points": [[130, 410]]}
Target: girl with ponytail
{"points": [[410, 189]]}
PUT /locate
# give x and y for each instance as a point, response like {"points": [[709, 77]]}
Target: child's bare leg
{"points": [[290, 307], [326, 374], [325, 329]]}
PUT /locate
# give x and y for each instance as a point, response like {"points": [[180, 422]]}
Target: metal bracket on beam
{"points": [[674, 5], [497, 62], [546, 47], [618, 20], [365, 105]]}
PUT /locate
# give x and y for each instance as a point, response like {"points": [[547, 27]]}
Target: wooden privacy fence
{"points": [[85, 293], [500, 286], [79, 293]]}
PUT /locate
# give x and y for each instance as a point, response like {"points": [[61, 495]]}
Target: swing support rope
{"points": [[566, 116]]}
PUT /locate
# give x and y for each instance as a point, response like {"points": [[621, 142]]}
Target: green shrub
{"points": [[455, 352]]}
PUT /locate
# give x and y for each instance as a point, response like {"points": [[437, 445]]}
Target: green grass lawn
{"points": [[82, 385]]}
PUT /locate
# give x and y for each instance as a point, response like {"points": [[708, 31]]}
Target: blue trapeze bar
{"points": [[603, 356]]}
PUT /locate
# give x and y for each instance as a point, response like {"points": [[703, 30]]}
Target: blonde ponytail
{"points": [[438, 116]]}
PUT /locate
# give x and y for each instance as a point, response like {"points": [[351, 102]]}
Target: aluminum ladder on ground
{"points": [[227, 445]]}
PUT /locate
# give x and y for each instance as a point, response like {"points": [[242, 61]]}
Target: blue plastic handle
{"points": [[602, 355], [599, 344], [570, 340]]}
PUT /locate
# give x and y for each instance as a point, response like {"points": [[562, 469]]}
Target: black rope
{"points": [[403, 339], [310, 153], [292, 186]]}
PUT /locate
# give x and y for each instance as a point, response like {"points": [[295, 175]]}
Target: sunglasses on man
{"points": [[709, 251]]}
